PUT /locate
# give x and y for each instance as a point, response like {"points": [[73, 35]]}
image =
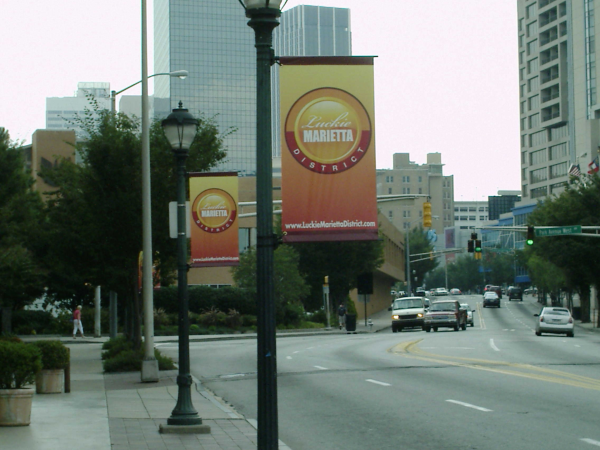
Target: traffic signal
{"points": [[426, 214], [471, 246], [530, 235], [478, 246], [473, 236]]}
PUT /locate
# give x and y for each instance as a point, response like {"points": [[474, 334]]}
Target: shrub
{"points": [[212, 317], [161, 318], [292, 314], [233, 319], [119, 356], [10, 338], [27, 322], [54, 354], [20, 364]]}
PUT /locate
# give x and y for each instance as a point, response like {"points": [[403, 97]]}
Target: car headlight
{"points": [[395, 317], [419, 315]]}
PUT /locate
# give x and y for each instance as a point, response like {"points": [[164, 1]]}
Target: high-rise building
{"points": [[308, 31], [502, 203], [428, 182], [62, 112], [558, 100], [212, 41]]}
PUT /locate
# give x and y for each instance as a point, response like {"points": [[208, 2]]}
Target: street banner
{"points": [[328, 180], [214, 199]]}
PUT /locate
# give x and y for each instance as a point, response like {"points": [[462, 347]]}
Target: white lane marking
{"points": [[309, 348], [233, 375], [494, 345], [297, 351], [468, 405], [288, 357], [378, 382], [578, 346], [591, 441], [321, 368]]}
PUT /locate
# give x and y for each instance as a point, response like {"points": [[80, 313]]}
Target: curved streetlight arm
{"points": [[181, 74]]}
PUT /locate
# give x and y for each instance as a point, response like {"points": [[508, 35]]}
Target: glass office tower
{"points": [[212, 41]]}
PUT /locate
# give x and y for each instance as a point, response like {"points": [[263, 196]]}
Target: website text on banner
{"points": [[214, 200], [328, 182]]}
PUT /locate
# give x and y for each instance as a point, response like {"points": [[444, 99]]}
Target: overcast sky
{"points": [[446, 74]]}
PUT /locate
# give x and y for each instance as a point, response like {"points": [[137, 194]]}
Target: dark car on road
{"points": [[490, 298], [515, 293], [445, 314]]}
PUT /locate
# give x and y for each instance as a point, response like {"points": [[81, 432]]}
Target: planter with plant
{"points": [[20, 364], [55, 357]]}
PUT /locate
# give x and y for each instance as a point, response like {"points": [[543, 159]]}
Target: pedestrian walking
{"points": [[77, 325], [342, 315]]}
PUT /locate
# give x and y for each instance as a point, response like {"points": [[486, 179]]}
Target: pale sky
{"points": [[446, 74]]}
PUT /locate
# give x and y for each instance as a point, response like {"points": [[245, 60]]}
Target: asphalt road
{"points": [[494, 386]]}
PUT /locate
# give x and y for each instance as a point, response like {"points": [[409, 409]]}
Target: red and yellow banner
{"points": [[213, 203], [328, 182]]}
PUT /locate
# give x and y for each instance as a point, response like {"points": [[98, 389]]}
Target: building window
{"points": [[391, 214], [406, 213], [534, 101], [538, 157], [481, 217], [533, 84], [558, 170], [420, 179], [557, 188], [558, 151], [538, 175], [406, 179], [389, 190], [530, 11], [532, 47], [539, 192], [532, 29], [406, 190], [539, 138], [532, 66], [389, 179], [534, 120]]}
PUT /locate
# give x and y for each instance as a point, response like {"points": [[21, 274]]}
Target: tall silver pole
{"points": [[150, 364], [408, 273]]}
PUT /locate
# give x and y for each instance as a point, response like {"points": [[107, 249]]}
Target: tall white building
{"points": [[62, 112], [558, 99]]}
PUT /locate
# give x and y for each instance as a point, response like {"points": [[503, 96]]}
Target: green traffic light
{"points": [[529, 241]]}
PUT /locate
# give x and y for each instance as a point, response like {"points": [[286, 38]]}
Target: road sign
{"points": [[557, 231]]}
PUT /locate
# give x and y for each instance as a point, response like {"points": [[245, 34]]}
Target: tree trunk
{"points": [[136, 322], [584, 299], [6, 320]]}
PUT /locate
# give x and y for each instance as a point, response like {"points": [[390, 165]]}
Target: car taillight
{"points": [[570, 320], [541, 318]]}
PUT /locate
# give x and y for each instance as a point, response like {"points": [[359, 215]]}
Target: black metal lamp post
{"points": [[263, 16], [180, 128]]}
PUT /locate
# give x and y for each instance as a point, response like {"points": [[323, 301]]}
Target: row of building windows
{"points": [[469, 208], [551, 172], [405, 179], [465, 218]]}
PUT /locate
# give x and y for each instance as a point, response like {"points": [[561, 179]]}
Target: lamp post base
{"points": [[150, 371], [165, 428]]}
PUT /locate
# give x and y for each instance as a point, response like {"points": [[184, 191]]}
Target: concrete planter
{"points": [[15, 407], [50, 381]]}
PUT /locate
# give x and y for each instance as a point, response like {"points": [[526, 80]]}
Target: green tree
{"points": [[342, 261], [576, 256], [95, 215], [21, 218], [501, 266], [420, 245], [289, 284], [465, 274]]}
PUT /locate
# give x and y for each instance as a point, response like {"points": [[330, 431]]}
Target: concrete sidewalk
{"points": [[119, 412]]}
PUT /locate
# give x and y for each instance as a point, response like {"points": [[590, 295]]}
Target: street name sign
{"points": [[557, 231]]}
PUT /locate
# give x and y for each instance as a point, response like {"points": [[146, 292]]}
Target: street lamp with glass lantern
{"points": [[180, 128], [263, 15]]}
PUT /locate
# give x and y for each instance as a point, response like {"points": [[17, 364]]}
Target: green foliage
{"points": [[575, 256], [288, 282], [7, 337], [21, 218], [418, 243], [54, 354], [20, 364], [203, 298], [120, 356], [27, 322], [341, 261]]}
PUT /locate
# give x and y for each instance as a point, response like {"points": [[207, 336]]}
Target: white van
{"points": [[407, 312]]}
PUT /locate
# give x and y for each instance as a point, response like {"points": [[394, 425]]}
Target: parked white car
{"points": [[554, 320]]}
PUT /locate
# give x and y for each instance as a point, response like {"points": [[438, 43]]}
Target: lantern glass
{"points": [[272, 4]]}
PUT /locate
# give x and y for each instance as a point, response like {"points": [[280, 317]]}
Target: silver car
{"points": [[554, 320], [470, 320]]}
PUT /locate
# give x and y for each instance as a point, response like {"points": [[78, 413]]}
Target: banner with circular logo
{"points": [[328, 178], [328, 130], [214, 233]]}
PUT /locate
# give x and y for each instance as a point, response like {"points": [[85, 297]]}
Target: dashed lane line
{"points": [[494, 345], [468, 405], [381, 383], [591, 441]]}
